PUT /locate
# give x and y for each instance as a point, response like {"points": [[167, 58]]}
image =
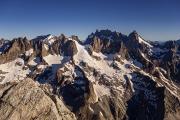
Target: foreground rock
{"points": [[26, 101]]}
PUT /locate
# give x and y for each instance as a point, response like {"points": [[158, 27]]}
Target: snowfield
{"points": [[13, 71]]}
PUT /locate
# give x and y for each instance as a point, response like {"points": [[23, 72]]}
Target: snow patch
{"points": [[46, 47], [29, 52], [53, 59], [51, 39], [143, 41], [13, 71], [35, 61]]}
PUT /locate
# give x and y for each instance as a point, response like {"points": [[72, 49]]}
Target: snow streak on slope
{"points": [[103, 65], [143, 41], [163, 82], [50, 39], [29, 52], [13, 71], [105, 68]]}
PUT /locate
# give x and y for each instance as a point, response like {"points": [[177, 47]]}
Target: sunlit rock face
{"points": [[28, 100]]}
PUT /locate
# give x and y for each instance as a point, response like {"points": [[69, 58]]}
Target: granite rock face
{"points": [[69, 48], [26, 101], [15, 48]]}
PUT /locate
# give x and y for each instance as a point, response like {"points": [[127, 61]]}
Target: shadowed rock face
{"points": [[109, 76], [17, 47], [171, 63], [108, 42], [69, 48], [140, 106]]}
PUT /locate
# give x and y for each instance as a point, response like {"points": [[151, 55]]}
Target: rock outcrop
{"points": [[69, 48], [17, 47], [26, 101]]}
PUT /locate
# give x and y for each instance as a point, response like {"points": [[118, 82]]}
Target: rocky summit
{"points": [[109, 76]]}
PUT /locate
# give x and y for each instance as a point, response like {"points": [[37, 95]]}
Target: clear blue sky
{"points": [[153, 19]]}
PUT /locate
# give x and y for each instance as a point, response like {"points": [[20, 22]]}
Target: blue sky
{"points": [[153, 19]]}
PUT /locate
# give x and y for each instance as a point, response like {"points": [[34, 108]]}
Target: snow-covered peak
{"points": [[137, 38], [141, 40], [42, 37], [69, 38], [49, 39]]}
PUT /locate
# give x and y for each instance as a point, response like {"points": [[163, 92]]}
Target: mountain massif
{"points": [[109, 76]]}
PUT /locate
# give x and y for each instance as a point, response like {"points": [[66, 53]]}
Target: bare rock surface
{"points": [[26, 101]]}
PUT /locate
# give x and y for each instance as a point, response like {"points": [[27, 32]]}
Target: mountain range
{"points": [[109, 76]]}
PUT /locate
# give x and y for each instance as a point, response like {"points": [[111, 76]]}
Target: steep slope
{"points": [[26, 100]]}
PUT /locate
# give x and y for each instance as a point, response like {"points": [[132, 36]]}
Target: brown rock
{"points": [[26, 101], [18, 46], [69, 48]]}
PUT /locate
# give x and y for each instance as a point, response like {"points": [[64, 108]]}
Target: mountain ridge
{"points": [[108, 76]]}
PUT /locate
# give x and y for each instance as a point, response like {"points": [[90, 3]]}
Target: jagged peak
{"points": [[138, 38], [73, 37], [178, 41], [20, 39], [117, 36], [105, 35], [134, 34], [50, 36], [42, 37], [48, 39]]}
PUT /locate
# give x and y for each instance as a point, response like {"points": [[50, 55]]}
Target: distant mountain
{"points": [[178, 41], [109, 76]]}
